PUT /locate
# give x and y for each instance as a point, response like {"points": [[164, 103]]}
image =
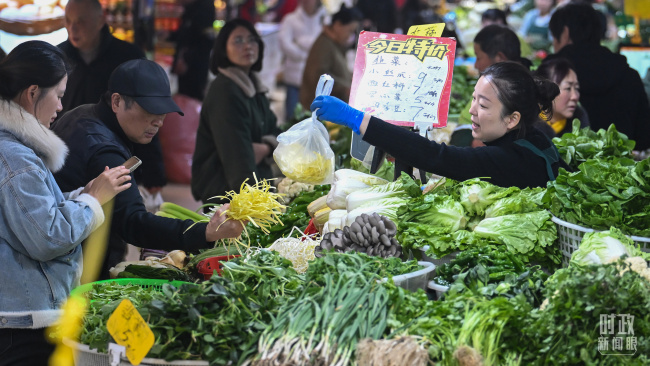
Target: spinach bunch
{"points": [[580, 145], [604, 194]]}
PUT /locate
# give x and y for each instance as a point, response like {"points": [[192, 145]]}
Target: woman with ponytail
{"points": [[41, 228], [506, 105]]}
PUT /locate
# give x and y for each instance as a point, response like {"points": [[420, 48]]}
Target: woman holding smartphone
{"points": [[41, 228]]}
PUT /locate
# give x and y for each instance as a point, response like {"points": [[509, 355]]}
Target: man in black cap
{"points": [[104, 134]]}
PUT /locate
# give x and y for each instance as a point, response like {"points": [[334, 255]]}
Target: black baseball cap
{"points": [[147, 83]]}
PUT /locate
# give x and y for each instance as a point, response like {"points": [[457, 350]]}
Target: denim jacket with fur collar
{"points": [[41, 228]]}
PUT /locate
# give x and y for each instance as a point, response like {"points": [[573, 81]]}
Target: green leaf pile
{"points": [[580, 145], [604, 194], [459, 215]]}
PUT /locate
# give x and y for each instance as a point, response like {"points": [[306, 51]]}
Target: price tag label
{"points": [[129, 329], [427, 30]]}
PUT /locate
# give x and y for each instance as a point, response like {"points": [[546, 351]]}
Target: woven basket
{"points": [[570, 235]]}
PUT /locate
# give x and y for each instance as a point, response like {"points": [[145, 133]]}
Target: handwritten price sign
{"points": [[129, 329], [403, 79]]}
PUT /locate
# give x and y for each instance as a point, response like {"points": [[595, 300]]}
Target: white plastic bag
{"points": [[303, 153]]}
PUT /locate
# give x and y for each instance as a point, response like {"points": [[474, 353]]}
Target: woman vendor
{"points": [[506, 104]]}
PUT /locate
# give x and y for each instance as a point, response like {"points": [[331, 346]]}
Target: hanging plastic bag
{"points": [[303, 153]]}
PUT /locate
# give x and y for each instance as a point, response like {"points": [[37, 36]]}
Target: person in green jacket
{"points": [[237, 129]]}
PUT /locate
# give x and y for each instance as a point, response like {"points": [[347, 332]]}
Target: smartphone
{"points": [[132, 163]]}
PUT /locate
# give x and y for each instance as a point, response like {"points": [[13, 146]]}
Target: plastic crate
{"points": [[415, 280], [570, 236], [157, 285], [207, 266]]}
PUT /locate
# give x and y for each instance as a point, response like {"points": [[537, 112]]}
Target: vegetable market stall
{"points": [[512, 297]]}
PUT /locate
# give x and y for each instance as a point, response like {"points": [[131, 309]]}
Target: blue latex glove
{"points": [[332, 109]]}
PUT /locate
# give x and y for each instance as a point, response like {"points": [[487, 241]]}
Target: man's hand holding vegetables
{"points": [[219, 228], [506, 105]]}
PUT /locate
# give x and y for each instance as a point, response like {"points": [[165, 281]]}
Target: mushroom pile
{"points": [[371, 234]]}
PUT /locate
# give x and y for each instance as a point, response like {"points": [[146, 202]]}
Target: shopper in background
{"points": [[534, 27], [298, 31], [95, 53], [378, 15], [506, 105], [328, 56], [610, 90], [499, 17], [565, 105], [493, 16], [237, 129], [104, 134], [194, 39], [41, 228]]}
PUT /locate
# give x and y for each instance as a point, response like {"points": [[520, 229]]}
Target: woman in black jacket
{"points": [[506, 105]]}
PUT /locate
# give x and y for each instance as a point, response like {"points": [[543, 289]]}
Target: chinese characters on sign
{"points": [[617, 335], [428, 30], [130, 330], [405, 80]]}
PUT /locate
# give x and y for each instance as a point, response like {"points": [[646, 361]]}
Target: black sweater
{"points": [[501, 162]]}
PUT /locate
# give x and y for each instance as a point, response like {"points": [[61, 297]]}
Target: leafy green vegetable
{"points": [[372, 266], [385, 171], [462, 87], [604, 194], [521, 233], [476, 195], [566, 330], [218, 320], [527, 200], [604, 247], [436, 210], [580, 145], [147, 272]]}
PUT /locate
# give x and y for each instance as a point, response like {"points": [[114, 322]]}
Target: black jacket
{"points": [[610, 91], [502, 162], [96, 140], [88, 82]]}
